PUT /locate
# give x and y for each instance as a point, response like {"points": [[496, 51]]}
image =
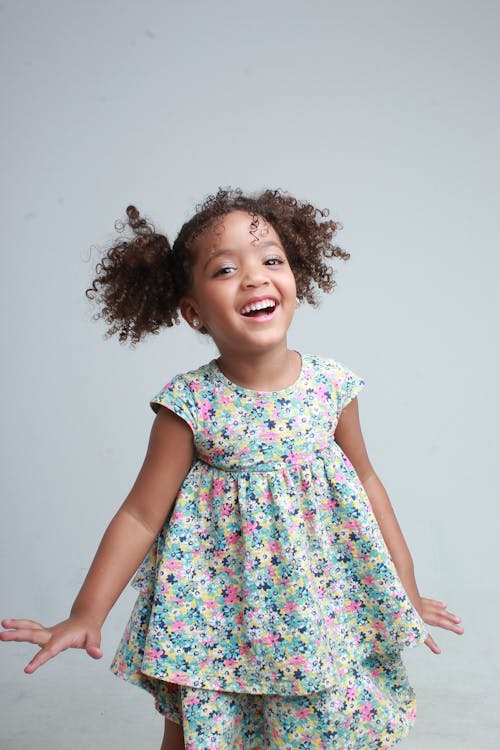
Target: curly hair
{"points": [[139, 282]]}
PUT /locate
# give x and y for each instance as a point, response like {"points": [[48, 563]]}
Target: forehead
{"points": [[236, 229]]}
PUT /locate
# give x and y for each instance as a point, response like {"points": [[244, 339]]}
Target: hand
{"points": [[75, 632], [436, 613]]}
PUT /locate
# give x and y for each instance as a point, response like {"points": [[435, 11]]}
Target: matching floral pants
{"points": [[214, 720]]}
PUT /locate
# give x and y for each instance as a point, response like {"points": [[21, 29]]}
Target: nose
{"points": [[254, 275]]}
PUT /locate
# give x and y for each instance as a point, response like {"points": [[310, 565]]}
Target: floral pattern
{"points": [[270, 579]]}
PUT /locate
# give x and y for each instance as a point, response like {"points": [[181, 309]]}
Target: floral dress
{"points": [[270, 613]]}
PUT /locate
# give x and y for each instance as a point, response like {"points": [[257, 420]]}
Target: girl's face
{"points": [[243, 290]]}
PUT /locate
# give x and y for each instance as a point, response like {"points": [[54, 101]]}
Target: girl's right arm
{"points": [[123, 547]]}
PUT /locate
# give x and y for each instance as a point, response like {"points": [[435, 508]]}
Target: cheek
{"points": [[292, 284]]}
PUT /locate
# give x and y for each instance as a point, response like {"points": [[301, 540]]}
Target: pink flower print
{"points": [[352, 693], [230, 662], [295, 458], [242, 452], [218, 488], [271, 638], [226, 509], [179, 625], [244, 649], [298, 660], [321, 393], [155, 654], [192, 700], [238, 618], [275, 546], [352, 523], [339, 476], [179, 677], [194, 385], [205, 408], [301, 713], [309, 515], [367, 711], [412, 715], [233, 538], [249, 527], [369, 580], [231, 595], [268, 436], [330, 504], [210, 603], [291, 607], [353, 606], [173, 565], [379, 625]]}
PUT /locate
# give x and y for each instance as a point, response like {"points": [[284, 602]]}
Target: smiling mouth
{"points": [[262, 308]]}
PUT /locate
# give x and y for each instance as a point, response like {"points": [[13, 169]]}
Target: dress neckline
{"points": [[251, 391]]}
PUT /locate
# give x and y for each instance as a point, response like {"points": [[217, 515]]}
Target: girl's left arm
{"points": [[349, 437]]}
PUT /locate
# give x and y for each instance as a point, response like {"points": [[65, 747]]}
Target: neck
{"points": [[269, 371]]}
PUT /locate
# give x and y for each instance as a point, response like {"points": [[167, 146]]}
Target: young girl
{"points": [[276, 590]]}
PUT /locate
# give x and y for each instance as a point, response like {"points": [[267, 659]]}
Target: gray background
{"points": [[387, 113]]}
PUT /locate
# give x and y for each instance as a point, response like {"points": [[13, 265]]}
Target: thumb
{"points": [[93, 646], [431, 643]]}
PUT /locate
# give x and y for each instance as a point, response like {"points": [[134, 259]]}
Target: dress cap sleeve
{"points": [[348, 384], [177, 396]]}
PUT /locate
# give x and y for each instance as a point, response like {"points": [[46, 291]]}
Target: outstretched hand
{"points": [[434, 612], [74, 632]]}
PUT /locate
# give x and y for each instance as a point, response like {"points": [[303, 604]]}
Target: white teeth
{"points": [[258, 306]]}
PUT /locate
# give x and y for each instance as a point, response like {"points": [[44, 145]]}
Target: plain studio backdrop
{"points": [[387, 113]]}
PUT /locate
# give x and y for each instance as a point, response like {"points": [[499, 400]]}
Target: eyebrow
{"points": [[228, 251]]}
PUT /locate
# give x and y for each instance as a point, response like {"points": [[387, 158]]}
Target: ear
{"points": [[189, 311]]}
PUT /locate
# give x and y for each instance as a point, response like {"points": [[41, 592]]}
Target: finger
{"points": [[44, 655], [38, 637], [21, 624], [446, 621], [431, 643]]}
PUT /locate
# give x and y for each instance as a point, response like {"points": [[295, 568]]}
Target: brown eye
{"points": [[224, 271], [274, 262]]}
